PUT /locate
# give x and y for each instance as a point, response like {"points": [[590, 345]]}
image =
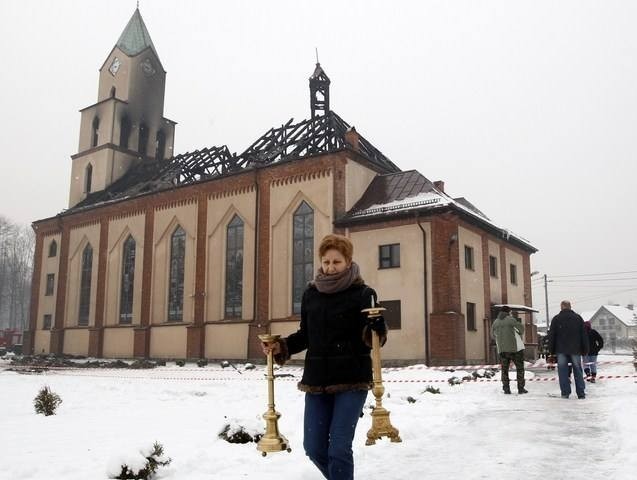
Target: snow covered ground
{"points": [[469, 431]]}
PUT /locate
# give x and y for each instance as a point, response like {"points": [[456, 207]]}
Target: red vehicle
{"points": [[11, 340]]}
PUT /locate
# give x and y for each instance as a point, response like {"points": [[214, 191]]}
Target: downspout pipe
{"points": [[425, 289], [256, 246]]}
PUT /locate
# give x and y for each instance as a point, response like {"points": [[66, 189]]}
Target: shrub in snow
{"points": [[233, 432], [202, 362], [411, 399], [225, 364], [249, 366], [46, 401], [454, 381], [180, 363], [141, 465], [431, 389]]}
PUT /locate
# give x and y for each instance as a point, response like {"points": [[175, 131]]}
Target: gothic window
{"points": [[128, 280], [124, 132], [302, 253], [234, 268], [50, 284], [143, 139], [160, 145], [85, 285], [176, 281], [88, 178], [95, 132], [53, 249]]}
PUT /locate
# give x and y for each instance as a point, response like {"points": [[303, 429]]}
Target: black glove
{"points": [[378, 325]]}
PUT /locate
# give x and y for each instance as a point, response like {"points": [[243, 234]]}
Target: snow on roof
{"points": [[627, 316], [588, 314]]}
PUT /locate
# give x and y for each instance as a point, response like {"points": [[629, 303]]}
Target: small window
{"points": [[471, 317], [50, 284], [468, 258], [389, 256], [142, 144], [611, 321], [46, 322], [124, 132], [392, 314], [602, 322], [95, 132], [160, 145], [88, 178], [53, 249], [514, 274], [493, 266]]}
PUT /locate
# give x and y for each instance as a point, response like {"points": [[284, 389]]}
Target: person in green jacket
{"points": [[508, 333]]}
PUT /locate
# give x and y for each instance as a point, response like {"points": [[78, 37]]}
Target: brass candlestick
{"points": [[381, 425], [272, 440]]}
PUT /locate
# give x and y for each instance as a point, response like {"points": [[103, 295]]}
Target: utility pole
{"points": [[546, 302]]}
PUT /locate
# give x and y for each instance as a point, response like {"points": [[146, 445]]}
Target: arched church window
{"points": [[85, 285], [124, 131], [176, 279], [128, 281], [160, 145], [143, 139], [88, 178], [53, 248], [95, 132], [234, 268], [302, 253]]}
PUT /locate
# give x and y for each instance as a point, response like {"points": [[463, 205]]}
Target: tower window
{"points": [[95, 132], [50, 284], [176, 281], [234, 268], [85, 285], [493, 266], [471, 317], [88, 178], [128, 282], [143, 139], [302, 253], [113, 92], [53, 249], [124, 132], [160, 145]]}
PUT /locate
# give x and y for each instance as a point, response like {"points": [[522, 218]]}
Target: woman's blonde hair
{"points": [[337, 242]]}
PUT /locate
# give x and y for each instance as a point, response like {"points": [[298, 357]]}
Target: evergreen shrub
{"points": [[46, 401]]}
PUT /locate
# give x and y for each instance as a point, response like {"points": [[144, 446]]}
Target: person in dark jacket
{"points": [[595, 344], [568, 341], [338, 367]]}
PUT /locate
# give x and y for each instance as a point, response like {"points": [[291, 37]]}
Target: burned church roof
{"points": [[317, 135]]}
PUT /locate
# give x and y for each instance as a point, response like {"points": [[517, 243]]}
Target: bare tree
{"points": [[17, 243]]}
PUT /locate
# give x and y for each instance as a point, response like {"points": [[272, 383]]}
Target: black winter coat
{"points": [[595, 342], [332, 330], [567, 334]]}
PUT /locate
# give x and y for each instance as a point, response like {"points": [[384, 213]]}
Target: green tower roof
{"points": [[135, 37]]}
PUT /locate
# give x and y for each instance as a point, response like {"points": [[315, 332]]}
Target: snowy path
{"points": [[470, 431]]}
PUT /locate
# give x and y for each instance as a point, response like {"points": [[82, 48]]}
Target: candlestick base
{"points": [[381, 427]]}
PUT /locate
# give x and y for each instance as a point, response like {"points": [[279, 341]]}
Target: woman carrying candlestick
{"points": [[338, 365]]}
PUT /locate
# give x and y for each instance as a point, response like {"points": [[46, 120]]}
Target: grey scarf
{"points": [[338, 281]]}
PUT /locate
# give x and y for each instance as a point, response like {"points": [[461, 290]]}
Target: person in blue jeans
{"points": [[337, 370], [568, 341]]}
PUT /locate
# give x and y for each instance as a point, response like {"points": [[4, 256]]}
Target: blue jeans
{"points": [[590, 364], [329, 426], [562, 372]]}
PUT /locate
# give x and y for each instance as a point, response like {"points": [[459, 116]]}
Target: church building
{"points": [[193, 255]]}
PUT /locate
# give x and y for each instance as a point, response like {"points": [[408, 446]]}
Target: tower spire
{"points": [[319, 90]]}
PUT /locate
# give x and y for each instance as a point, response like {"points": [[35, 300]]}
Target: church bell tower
{"points": [[126, 125]]}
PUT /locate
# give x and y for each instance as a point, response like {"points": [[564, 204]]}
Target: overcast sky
{"points": [[527, 109]]}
